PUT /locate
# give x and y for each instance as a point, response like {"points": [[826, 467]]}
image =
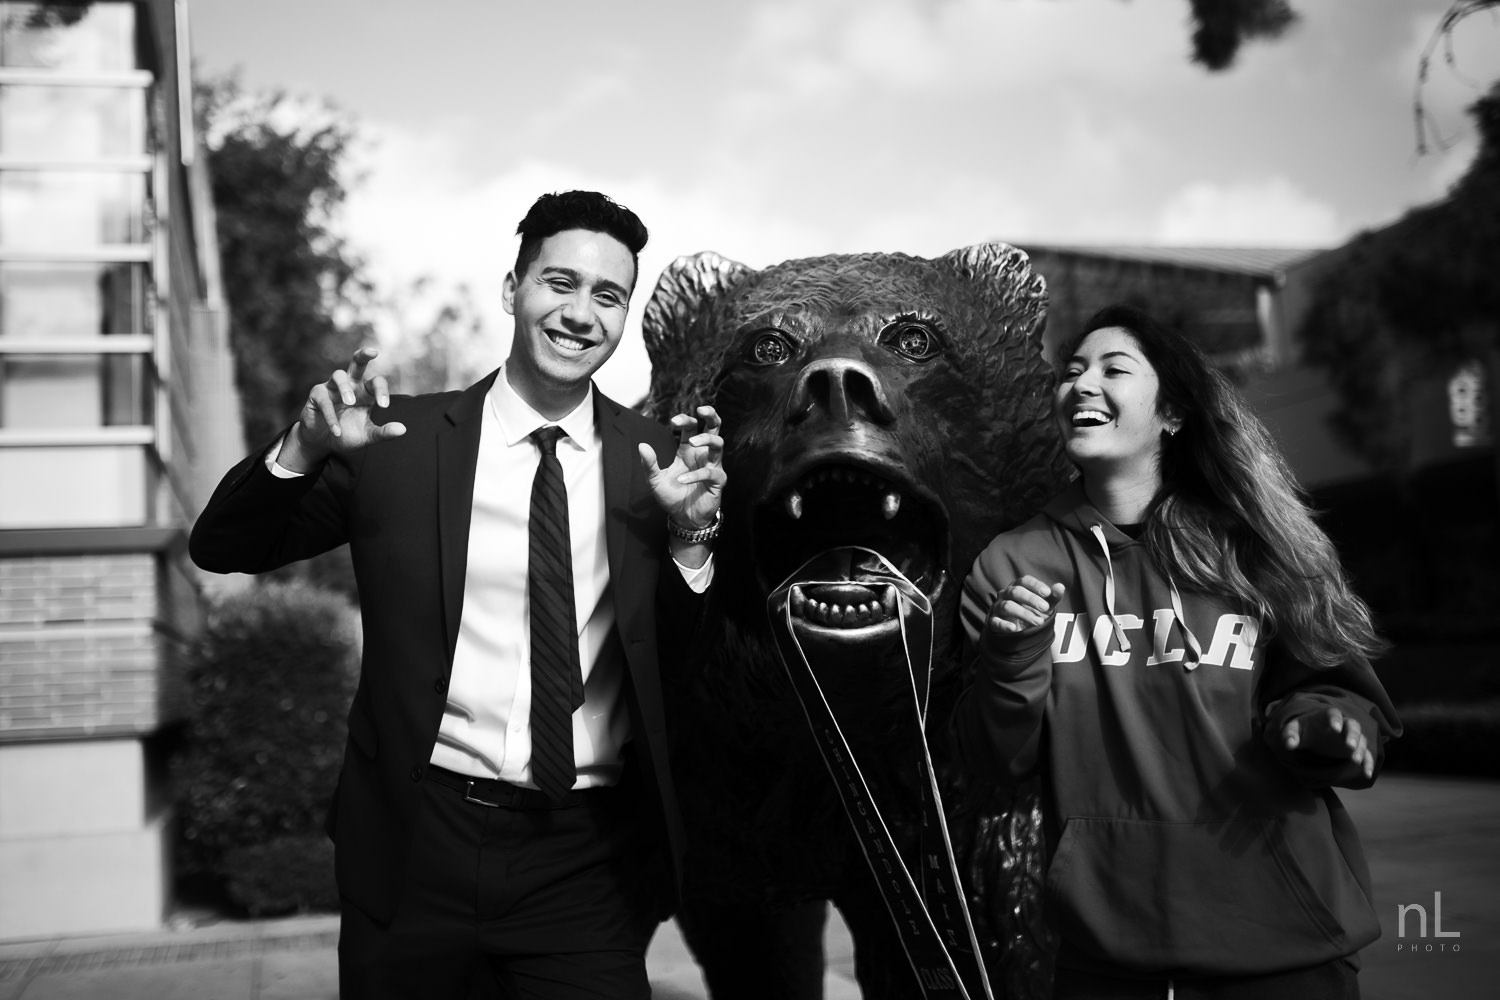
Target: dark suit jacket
{"points": [[404, 505]]}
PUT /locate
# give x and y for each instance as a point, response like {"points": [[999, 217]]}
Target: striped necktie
{"points": [[556, 679]]}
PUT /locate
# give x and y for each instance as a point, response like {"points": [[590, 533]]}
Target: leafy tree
{"points": [[292, 286], [1418, 298], [1415, 295], [440, 340], [1220, 26], [1442, 36]]}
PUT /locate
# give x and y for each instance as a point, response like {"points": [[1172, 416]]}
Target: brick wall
{"points": [[79, 645]]}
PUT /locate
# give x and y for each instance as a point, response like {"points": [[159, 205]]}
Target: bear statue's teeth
{"points": [[793, 502], [848, 615], [837, 614]]}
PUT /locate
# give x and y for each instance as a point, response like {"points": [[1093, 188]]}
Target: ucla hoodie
{"points": [[1184, 839]]}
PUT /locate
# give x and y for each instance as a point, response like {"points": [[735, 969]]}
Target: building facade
{"points": [[116, 414]]}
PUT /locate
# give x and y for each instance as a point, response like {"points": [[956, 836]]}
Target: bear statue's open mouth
{"points": [[832, 504]]}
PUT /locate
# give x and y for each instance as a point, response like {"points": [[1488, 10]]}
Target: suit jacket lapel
{"points": [[457, 456], [619, 460]]}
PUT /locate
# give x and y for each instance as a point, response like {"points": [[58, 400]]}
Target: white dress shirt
{"points": [[486, 731]]}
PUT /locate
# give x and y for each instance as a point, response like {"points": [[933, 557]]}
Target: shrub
{"points": [[287, 874], [270, 679], [1448, 738]]}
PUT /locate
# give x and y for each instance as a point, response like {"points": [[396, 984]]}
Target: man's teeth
{"points": [[567, 343], [845, 615]]}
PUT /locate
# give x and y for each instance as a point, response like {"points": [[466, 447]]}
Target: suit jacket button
{"points": [[440, 685], [416, 773]]}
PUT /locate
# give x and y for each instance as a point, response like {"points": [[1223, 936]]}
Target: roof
{"points": [[1260, 262]]}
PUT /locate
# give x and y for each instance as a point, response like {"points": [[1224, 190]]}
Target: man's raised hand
{"points": [[690, 489], [337, 416]]}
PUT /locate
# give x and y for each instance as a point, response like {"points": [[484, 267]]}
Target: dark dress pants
{"points": [[549, 903]]}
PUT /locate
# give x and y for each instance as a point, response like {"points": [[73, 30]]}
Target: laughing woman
{"points": [[1174, 646]]}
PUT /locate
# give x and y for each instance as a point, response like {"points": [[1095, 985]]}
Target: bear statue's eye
{"points": [[770, 348], [911, 341]]}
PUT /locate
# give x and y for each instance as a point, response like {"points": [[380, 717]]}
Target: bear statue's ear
{"points": [[677, 332], [1017, 296]]}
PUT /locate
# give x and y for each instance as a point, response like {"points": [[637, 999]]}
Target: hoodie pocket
{"points": [[1196, 897]]}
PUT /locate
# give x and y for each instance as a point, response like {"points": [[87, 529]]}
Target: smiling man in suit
{"points": [[505, 807]]}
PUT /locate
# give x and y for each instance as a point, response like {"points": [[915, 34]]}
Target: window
{"points": [[71, 122], [41, 209], [1469, 406], [77, 376], [49, 392], [72, 301]]}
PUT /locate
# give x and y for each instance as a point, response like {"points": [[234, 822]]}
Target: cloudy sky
{"points": [[772, 129]]}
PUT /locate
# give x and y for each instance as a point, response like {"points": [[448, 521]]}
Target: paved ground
{"points": [[288, 959], [1424, 836]]}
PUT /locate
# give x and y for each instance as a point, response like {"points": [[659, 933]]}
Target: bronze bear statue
{"points": [[899, 406]]}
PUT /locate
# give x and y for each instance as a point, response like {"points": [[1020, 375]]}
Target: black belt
{"points": [[495, 793]]}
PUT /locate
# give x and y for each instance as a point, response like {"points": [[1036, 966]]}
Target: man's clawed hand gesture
{"points": [[337, 417], [691, 488]]}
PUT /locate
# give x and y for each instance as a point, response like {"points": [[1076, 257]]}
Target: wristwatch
{"points": [[697, 536]]}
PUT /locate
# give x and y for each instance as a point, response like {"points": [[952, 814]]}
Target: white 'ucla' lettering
{"points": [[1235, 637], [1067, 644], [1104, 631], [1239, 631], [1164, 618]]}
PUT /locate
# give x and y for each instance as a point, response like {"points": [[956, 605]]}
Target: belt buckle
{"points": [[469, 796]]}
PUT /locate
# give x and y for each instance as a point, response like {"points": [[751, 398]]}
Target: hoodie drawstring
{"points": [[1194, 649], [1109, 588]]}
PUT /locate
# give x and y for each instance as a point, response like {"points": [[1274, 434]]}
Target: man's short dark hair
{"points": [[556, 213]]}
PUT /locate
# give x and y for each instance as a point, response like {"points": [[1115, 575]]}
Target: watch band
{"points": [[697, 536]]}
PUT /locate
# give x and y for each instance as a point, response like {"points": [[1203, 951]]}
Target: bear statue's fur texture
{"points": [[878, 400]]}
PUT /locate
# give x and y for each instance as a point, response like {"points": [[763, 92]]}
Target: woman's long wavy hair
{"points": [[1229, 517]]}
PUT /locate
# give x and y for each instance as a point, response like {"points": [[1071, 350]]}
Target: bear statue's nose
{"points": [[845, 389]]}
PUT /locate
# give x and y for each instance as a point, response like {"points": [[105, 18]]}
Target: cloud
{"points": [[835, 49], [968, 208], [1271, 212]]}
